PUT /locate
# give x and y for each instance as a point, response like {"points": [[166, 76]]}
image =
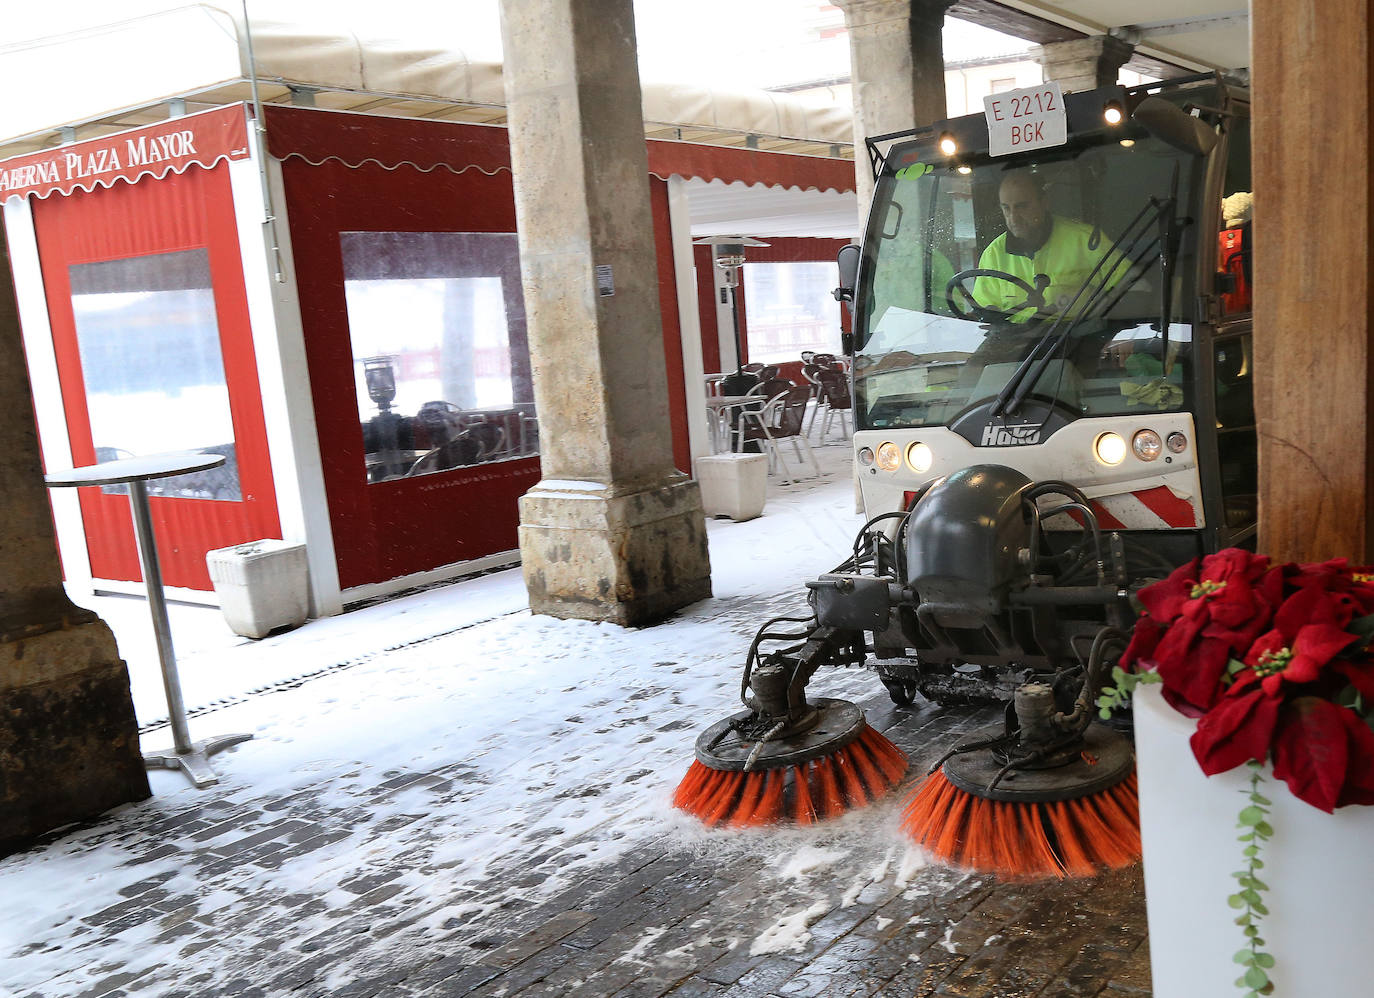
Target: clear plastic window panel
{"points": [[150, 358], [790, 309], [440, 351]]}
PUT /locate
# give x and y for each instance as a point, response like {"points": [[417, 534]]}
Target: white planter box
{"points": [[1320, 868], [733, 485], [262, 585]]}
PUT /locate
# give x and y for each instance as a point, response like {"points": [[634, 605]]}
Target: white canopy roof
{"points": [[200, 53]]}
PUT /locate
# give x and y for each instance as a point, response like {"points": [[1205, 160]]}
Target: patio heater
{"points": [[729, 260]]}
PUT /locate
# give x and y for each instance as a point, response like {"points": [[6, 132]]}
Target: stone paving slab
{"points": [[680, 913]]}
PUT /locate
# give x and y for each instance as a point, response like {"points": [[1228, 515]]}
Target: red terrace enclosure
{"points": [[361, 360]]}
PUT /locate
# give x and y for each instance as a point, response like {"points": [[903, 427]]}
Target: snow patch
{"points": [[790, 933], [948, 941], [913, 861], [637, 951], [808, 860], [882, 923]]}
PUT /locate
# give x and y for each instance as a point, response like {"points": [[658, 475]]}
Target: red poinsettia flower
{"points": [[1305, 640], [1270, 660], [1325, 753], [1239, 728], [1211, 611], [1352, 586]]}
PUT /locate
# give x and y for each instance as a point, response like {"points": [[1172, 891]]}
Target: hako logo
{"points": [[1010, 436]]}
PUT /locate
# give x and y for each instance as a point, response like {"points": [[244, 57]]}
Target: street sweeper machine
{"points": [[1051, 385]]}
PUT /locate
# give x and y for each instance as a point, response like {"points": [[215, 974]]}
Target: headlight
{"points": [[1177, 442], [889, 456], [920, 458], [1110, 448], [865, 456], [1147, 445]]}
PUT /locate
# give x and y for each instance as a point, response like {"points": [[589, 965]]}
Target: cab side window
{"points": [[1235, 241], [1233, 365]]}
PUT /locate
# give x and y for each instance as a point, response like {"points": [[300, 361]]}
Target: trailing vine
{"points": [[1123, 685], [1255, 830]]}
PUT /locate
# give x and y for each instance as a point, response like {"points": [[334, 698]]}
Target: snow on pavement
{"points": [[562, 740]]}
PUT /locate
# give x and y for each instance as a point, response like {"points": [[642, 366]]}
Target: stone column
{"points": [[1084, 63], [897, 68], [68, 739], [613, 531]]}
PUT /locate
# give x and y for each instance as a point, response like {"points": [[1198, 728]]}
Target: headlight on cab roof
{"points": [[1110, 448], [1147, 445], [919, 456], [889, 456]]}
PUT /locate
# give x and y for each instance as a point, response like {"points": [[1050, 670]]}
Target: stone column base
{"points": [[68, 737], [630, 558]]}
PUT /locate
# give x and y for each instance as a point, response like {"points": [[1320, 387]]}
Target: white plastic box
{"points": [[733, 485], [261, 585]]}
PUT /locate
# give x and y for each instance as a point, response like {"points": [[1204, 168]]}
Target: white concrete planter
{"points": [[1320, 868], [262, 585], [733, 485]]}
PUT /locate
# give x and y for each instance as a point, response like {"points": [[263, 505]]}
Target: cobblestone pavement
{"points": [[383, 881], [673, 915]]}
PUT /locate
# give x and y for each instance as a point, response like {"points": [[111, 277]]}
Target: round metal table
{"points": [[190, 757]]}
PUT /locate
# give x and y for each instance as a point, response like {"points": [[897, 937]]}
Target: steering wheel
{"points": [[1035, 295]]}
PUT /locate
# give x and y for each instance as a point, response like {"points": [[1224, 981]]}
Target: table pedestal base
{"points": [[196, 762]]}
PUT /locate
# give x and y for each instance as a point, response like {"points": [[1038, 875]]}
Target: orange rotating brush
{"points": [[1039, 800], [757, 768]]}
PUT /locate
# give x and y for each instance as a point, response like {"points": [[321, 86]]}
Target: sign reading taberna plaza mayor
{"points": [[169, 146]]}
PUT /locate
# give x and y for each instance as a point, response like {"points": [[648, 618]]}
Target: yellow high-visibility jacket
{"points": [[1065, 258]]}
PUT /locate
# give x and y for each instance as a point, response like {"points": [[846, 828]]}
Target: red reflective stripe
{"points": [[1168, 507], [1105, 519]]}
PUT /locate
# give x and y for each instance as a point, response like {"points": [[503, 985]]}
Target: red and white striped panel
{"points": [[1159, 508]]}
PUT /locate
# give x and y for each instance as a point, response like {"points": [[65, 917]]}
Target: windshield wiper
{"points": [[1021, 382]]}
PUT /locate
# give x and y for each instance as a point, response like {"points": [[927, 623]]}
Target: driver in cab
{"points": [[1052, 255]]}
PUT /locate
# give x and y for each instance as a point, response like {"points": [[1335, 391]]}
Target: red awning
{"points": [[315, 135], [751, 166], [171, 146]]}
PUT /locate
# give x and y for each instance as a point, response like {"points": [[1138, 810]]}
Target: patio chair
{"points": [[780, 419], [458, 452], [810, 372], [771, 387], [834, 388]]}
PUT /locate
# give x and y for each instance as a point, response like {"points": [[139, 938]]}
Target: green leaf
{"points": [[1236, 901], [1250, 816], [1258, 884], [1258, 908], [1244, 956], [1251, 931], [1264, 960], [1264, 830], [1364, 627], [1261, 799], [1118, 674], [1234, 666], [1256, 978]]}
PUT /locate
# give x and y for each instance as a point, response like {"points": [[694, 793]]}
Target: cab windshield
{"points": [[934, 339]]}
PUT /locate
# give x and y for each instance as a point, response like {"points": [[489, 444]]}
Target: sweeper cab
{"points": [[1030, 446]]}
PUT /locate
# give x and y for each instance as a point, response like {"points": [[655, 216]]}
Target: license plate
{"points": [[1021, 120]]}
